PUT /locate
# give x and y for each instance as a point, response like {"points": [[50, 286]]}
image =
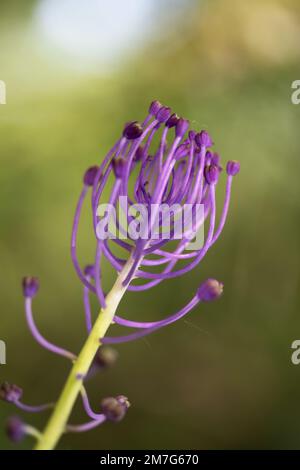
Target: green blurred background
{"points": [[75, 72]]}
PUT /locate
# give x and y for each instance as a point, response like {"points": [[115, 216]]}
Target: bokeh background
{"points": [[75, 72]]}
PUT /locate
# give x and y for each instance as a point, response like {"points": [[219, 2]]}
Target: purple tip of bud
{"points": [[215, 159], [209, 157], [192, 135], [90, 175], [210, 290], [15, 429], [106, 357], [30, 286], [118, 167], [211, 173], [139, 154], [89, 270], [154, 107], [203, 139], [133, 130], [172, 121], [163, 114], [181, 127], [233, 167], [10, 392], [114, 409]]}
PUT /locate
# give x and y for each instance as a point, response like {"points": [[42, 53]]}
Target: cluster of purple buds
{"points": [[181, 169]]}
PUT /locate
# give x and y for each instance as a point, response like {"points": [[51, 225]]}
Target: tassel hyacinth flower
{"points": [[154, 163]]}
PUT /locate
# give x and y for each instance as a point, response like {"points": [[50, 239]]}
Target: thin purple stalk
{"points": [[39, 338]]}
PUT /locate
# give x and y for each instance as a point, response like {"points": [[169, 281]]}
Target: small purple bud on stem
{"points": [[211, 173], [215, 159], [154, 107], [163, 114], [10, 392], [192, 135], [118, 167], [210, 290], [181, 127], [90, 175], [203, 139], [115, 409], [133, 130], [172, 121], [106, 357], [89, 270], [15, 429], [138, 154], [232, 168], [30, 286]]}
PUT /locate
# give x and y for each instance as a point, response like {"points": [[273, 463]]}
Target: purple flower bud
{"points": [[203, 139], [114, 408], [210, 290], [232, 167], [15, 429], [215, 159], [154, 107], [10, 392], [139, 154], [89, 270], [133, 130], [163, 114], [192, 135], [90, 175], [118, 167], [181, 127], [211, 173], [106, 357], [208, 157], [172, 121], [30, 286]]}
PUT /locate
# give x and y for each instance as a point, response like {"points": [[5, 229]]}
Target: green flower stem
{"points": [[58, 421]]}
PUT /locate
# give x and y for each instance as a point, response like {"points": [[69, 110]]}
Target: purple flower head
{"points": [[232, 168], [15, 429], [90, 175], [133, 130], [10, 392], [115, 409], [178, 171], [30, 286], [210, 290], [203, 139]]}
